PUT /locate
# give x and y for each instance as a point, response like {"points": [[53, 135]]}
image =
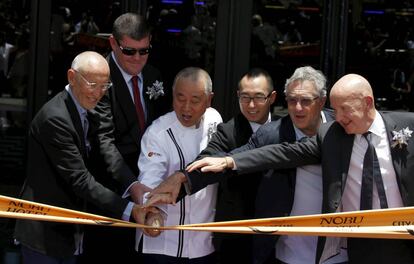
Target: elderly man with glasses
{"points": [[61, 138], [137, 97]]}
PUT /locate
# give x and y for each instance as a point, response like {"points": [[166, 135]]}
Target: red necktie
{"points": [[138, 104]]}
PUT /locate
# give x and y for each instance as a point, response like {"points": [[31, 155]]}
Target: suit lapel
{"points": [[74, 116], [243, 131], [398, 155], [148, 80], [346, 145], [121, 96]]}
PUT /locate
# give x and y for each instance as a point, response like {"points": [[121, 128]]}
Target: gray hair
{"points": [[308, 73], [195, 74], [131, 25]]}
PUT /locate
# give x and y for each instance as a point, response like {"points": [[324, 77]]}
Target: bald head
{"points": [[353, 101], [90, 61], [353, 84], [88, 78]]}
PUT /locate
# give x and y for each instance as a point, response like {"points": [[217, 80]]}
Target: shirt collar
{"points": [[299, 134], [377, 127], [255, 126], [82, 111]]}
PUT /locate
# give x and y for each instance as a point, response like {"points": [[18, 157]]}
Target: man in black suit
{"points": [[340, 147], [129, 107], [131, 44], [61, 137]]}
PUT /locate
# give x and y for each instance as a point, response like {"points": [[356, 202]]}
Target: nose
{"points": [[251, 103], [298, 105], [187, 105], [98, 93]]}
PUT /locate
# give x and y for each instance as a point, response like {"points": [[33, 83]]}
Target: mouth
{"points": [[186, 117], [300, 117]]}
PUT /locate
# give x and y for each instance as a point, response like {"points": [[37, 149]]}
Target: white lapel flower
{"points": [[212, 128], [155, 90], [400, 138]]}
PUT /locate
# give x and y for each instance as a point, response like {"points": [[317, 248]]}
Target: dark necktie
{"points": [[138, 105], [85, 125], [370, 173]]}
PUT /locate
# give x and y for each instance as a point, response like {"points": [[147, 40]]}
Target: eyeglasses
{"points": [[305, 101], [131, 51], [258, 99], [93, 85]]}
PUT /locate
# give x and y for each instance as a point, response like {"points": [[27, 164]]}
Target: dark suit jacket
{"points": [[118, 109], [58, 175], [333, 147]]}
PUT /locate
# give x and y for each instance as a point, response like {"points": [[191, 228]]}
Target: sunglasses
{"points": [[131, 51]]}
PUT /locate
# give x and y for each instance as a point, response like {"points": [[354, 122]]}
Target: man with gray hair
{"points": [[168, 145]]}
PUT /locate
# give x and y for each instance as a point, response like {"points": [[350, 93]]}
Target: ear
{"points": [[112, 42], [272, 97], [71, 76], [323, 101], [369, 101], [210, 98]]}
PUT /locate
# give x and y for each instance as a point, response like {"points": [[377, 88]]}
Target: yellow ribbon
{"points": [[393, 223]]}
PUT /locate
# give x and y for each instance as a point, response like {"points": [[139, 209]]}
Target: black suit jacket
{"points": [[118, 110], [332, 147], [58, 174]]}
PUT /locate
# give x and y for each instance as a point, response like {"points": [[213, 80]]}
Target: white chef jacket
{"points": [[168, 146]]}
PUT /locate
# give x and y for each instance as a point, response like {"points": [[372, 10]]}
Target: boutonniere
{"points": [[212, 128], [155, 90], [401, 137]]}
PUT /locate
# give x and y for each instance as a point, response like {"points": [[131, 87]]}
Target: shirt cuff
{"points": [[126, 193], [127, 212]]}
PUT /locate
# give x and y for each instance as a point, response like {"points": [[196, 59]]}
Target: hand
{"points": [[171, 186], [156, 220], [137, 191], [160, 198], [210, 164], [140, 213]]}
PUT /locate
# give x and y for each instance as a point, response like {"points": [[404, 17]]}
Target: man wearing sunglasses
{"points": [[135, 99]]}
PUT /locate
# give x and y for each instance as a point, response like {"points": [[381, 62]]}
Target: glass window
{"points": [[183, 35], [285, 35], [381, 48]]}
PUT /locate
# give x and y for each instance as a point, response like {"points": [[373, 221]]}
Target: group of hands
{"points": [[166, 192]]}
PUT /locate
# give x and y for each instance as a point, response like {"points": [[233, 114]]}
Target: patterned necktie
{"points": [[138, 105], [371, 172]]}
